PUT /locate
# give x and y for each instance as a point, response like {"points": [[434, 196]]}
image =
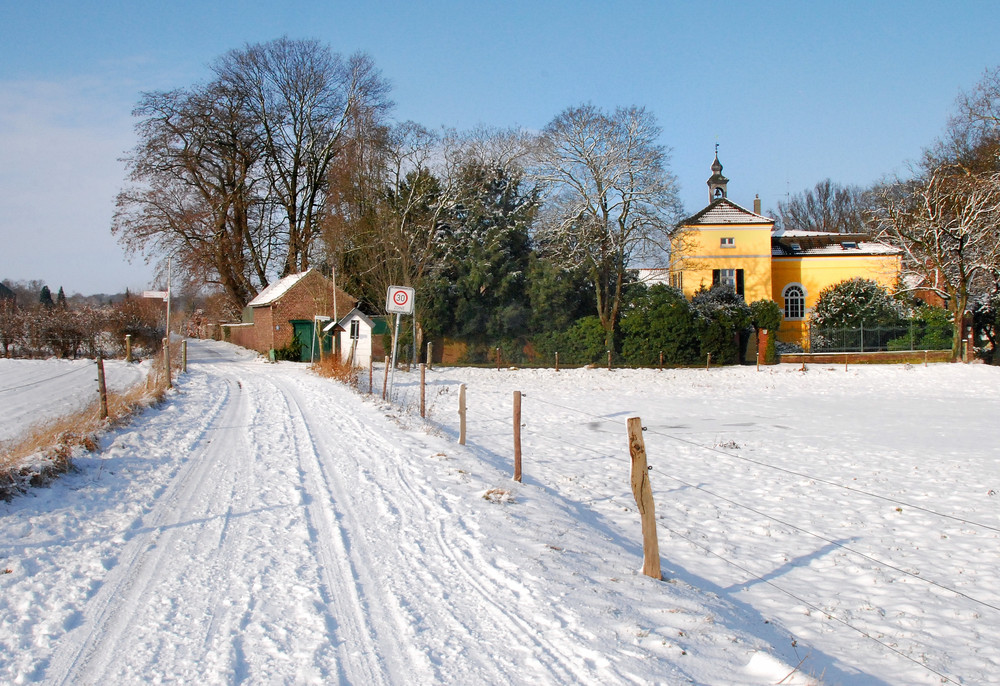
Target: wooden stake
{"points": [[498, 358], [166, 360], [925, 358], [557, 362], [184, 356], [128, 347], [758, 360], [461, 414], [385, 379], [609, 360], [517, 435], [643, 493], [371, 373], [661, 360], [102, 388], [423, 395], [430, 354], [709, 362]]}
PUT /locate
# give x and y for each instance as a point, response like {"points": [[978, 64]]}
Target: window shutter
{"points": [[739, 281], [716, 277]]}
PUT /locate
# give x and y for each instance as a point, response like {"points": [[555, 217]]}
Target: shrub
{"points": [[582, 343], [856, 302], [725, 323], [660, 319]]}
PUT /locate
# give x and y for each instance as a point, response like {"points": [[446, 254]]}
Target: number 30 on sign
{"points": [[399, 300]]}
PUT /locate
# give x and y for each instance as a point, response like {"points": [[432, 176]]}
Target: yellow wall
{"points": [[817, 272], [699, 249]]}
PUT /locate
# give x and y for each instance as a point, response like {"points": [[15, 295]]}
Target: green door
{"points": [[302, 330]]}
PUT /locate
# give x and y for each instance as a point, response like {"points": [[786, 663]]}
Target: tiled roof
{"points": [[795, 243], [725, 211]]}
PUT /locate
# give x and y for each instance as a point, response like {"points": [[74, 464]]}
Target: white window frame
{"points": [[794, 301], [355, 329], [727, 242]]}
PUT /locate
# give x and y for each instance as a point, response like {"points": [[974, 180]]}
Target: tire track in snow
{"points": [[362, 649], [88, 651], [469, 571]]}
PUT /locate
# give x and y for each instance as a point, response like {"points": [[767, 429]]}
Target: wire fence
{"points": [[569, 437], [865, 339]]}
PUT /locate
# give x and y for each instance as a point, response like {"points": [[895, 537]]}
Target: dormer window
{"points": [[849, 245], [727, 243], [796, 247]]}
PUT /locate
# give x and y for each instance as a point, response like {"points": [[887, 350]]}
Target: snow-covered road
{"points": [[265, 525]]}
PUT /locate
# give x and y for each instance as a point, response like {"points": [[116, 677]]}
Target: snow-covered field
{"points": [[33, 391], [268, 526]]}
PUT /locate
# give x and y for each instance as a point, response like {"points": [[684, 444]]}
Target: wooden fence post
{"points": [[461, 414], [517, 435], [609, 360], [423, 395], [643, 493], [166, 361], [385, 379], [661, 360], [557, 362], [184, 356], [430, 354], [371, 373], [498, 358], [708, 363], [128, 347], [102, 388]]}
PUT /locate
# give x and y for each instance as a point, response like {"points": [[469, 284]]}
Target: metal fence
{"points": [[872, 339]]}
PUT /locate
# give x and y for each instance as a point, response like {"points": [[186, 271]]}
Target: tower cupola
{"points": [[717, 182]]}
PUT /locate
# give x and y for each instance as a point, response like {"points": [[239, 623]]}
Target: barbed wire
{"points": [[786, 470], [45, 380]]}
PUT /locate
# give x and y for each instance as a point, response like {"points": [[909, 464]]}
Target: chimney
{"points": [[756, 204]]}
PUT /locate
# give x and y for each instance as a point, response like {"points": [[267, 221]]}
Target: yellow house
{"points": [[728, 244]]}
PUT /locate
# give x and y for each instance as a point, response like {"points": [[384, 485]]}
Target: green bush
{"points": [[660, 319], [581, 343], [725, 324]]}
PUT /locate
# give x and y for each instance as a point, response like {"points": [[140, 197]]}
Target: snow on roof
{"points": [[725, 211], [277, 289]]}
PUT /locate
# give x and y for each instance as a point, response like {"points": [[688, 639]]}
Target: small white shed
{"points": [[355, 337]]}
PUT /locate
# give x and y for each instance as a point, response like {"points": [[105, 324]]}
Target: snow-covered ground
{"points": [[268, 526], [33, 391]]}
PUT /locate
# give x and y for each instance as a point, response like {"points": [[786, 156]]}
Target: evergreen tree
{"points": [[480, 291], [61, 299], [726, 321], [45, 297]]}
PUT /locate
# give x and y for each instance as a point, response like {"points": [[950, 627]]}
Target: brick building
{"points": [[286, 311]]}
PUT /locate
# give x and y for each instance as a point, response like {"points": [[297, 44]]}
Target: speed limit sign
{"points": [[399, 300]]}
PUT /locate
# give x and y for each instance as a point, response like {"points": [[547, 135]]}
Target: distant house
{"points": [[284, 316], [728, 244]]}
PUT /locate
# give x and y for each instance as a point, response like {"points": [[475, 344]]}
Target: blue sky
{"points": [[793, 92]]}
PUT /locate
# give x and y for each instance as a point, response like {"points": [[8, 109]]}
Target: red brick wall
{"points": [[312, 295]]}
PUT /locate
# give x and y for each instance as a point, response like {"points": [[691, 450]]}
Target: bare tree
{"points": [[196, 190], [302, 96], [611, 197], [945, 220], [828, 207]]}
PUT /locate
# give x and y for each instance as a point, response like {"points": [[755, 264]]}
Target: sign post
{"points": [[398, 301]]}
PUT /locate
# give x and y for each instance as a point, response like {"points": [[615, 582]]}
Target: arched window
{"points": [[795, 301]]}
